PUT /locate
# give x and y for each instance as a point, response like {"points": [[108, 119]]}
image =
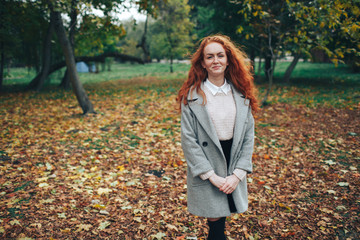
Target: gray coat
{"points": [[203, 153]]}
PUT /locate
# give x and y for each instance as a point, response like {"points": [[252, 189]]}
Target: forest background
{"points": [[115, 169]]}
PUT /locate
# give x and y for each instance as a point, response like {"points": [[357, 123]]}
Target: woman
{"points": [[217, 131]]}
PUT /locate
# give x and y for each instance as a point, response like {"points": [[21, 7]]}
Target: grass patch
{"points": [[313, 96], [316, 74], [312, 84], [19, 76], [304, 73]]}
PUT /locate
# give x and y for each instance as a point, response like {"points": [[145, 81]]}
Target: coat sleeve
{"points": [[245, 157], [196, 160]]}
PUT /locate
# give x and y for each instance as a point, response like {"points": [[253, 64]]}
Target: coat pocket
{"points": [[196, 181]]}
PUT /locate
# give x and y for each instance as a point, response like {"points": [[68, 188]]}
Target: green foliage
{"points": [[171, 33], [216, 16], [148, 6], [129, 44], [98, 35], [19, 22], [332, 25], [298, 26]]}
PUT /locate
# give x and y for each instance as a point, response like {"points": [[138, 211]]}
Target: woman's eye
{"points": [[209, 57]]}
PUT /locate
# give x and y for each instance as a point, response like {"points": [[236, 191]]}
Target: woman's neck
{"points": [[217, 81]]}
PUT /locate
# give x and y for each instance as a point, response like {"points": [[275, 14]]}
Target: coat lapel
{"points": [[195, 103], [242, 108]]}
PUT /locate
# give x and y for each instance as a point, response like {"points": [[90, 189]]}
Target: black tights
{"points": [[216, 229]]}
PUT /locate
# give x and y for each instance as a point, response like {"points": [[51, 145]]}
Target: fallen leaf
{"points": [[103, 225], [330, 162], [101, 191], [343, 184], [83, 227], [159, 235]]}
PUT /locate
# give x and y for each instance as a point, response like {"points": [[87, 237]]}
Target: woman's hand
{"points": [[230, 185], [217, 181]]}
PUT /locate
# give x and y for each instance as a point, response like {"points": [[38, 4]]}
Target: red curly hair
{"points": [[238, 72]]}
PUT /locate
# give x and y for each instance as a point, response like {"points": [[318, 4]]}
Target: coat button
{"points": [[205, 144]]}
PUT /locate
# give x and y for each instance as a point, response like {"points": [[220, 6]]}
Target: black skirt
{"points": [[226, 147]]}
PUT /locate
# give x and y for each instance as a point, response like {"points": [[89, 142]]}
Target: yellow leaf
{"points": [[13, 222], [101, 191], [354, 28], [99, 206], [172, 227], [82, 227], [103, 225], [43, 185]]}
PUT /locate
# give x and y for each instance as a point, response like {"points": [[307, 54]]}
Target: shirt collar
{"points": [[225, 88]]}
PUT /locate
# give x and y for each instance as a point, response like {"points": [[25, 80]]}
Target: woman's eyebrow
{"points": [[215, 53]]}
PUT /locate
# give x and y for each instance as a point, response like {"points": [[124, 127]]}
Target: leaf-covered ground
{"points": [[120, 174]]}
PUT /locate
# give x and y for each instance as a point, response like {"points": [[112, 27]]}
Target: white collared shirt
{"points": [[225, 88]]}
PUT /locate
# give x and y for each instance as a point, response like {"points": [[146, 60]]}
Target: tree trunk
{"points": [[270, 59], [78, 88], [252, 59], [2, 64], [260, 60], [46, 57], [259, 67], [268, 68], [171, 64], [38, 83], [269, 77], [290, 68], [143, 43], [109, 62], [2, 46], [65, 82]]}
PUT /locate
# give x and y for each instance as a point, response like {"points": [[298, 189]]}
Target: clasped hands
{"points": [[226, 185]]}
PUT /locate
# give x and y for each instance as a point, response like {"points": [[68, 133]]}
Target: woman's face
{"points": [[215, 60]]}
